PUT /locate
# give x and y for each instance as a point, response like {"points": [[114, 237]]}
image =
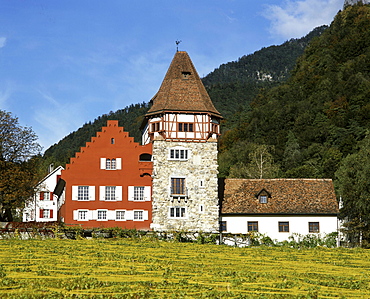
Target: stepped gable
{"points": [[286, 196], [182, 90]]}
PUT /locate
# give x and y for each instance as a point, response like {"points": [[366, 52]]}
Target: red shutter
{"points": [[51, 195], [41, 195], [51, 213], [41, 213]]}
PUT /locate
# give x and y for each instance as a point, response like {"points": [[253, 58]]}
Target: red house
{"points": [[108, 183]]}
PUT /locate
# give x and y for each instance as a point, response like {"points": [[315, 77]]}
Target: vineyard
{"points": [[147, 268]]}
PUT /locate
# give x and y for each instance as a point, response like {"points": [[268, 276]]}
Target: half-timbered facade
{"points": [[183, 127]]}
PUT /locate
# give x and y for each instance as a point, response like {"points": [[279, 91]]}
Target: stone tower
{"points": [[183, 126]]}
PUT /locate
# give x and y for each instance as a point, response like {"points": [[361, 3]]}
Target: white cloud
{"points": [[2, 42], [297, 18]]}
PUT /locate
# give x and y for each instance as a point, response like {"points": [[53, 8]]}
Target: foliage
{"points": [[19, 164], [316, 118], [138, 268], [354, 188]]}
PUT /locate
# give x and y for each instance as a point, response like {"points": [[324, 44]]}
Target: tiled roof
{"points": [[288, 196], [182, 90]]}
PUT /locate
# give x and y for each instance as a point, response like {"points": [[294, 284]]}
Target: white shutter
{"points": [[75, 214], [129, 215], [131, 193], [145, 215], [118, 163], [94, 215], [111, 215], [103, 163], [91, 192], [147, 193], [89, 215], [101, 192], [74, 192], [119, 193]]}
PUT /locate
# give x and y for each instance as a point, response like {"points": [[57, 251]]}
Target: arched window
{"points": [[112, 141], [145, 157]]}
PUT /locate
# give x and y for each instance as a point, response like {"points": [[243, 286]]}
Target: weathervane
{"points": [[177, 45]]}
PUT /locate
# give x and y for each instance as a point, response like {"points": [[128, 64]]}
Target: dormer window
{"points": [[186, 75], [263, 196]]}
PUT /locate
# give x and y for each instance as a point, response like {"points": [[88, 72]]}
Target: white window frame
{"points": [[131, 193], [91, 193], [103, 193], [103, 212], [111, 163], [120, 218], [85, 214], [46, 213], [110, 193], [138, 215], [178, 154], [139, 193], [182, 211]]}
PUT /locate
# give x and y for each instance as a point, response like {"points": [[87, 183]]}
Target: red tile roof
{"points": [[182, 90], [288, 196]]}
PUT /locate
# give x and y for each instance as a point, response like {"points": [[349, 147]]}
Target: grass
{"points": [[143, 268]]}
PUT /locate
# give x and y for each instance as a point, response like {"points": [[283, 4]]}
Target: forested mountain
{"points": [[232, 87], [317, 117]]}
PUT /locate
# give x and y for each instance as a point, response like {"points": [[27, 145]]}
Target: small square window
{"points": [[263, 198], [120, 215], [283, 227], [82, 215], [313, 227], [102, 215], [138, 215], [253, 226]]}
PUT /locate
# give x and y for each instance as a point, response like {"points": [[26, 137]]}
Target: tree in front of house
{"points": [[354, 188], [19, 160]]}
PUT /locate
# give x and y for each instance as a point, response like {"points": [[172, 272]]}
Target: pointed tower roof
{"points": [[182, 90]]}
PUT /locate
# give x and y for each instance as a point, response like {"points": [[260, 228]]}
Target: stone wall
{"points": [[202, 210]]}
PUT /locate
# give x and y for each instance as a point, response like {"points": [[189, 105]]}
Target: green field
{"points": [[143, 268]]}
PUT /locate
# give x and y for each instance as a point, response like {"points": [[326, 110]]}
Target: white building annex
{"points": [[279, 208], [44, 205]]}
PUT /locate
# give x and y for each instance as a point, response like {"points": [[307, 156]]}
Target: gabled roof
{"points": [[288, 196], [182, 90]]}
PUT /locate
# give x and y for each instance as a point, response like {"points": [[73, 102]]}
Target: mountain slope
{"points": [[315, 119], [233, 85]]}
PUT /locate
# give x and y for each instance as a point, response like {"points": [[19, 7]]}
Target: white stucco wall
{"points": [[269, 225], [31, 211]]}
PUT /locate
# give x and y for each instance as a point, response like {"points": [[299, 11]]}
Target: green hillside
{"points": [[233, 85]]}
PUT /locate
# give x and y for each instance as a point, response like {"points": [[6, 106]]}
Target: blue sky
{"points": [[64, 63]]}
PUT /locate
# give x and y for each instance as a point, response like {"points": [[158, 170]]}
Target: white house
{"points": [[43, 207], [279, 208]]}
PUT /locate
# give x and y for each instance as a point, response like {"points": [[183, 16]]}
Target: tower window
{"points": [[178, 186], [177, 212], [186, 127], [112, 141], [156, 127], [178, 154]]}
